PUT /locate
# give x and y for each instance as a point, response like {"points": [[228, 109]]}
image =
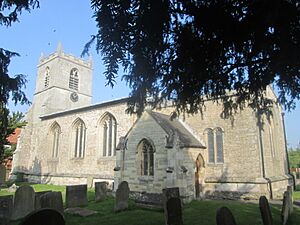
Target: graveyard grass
{"points": [[194, 213]]}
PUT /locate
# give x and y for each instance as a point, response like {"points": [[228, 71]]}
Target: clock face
{"points": [[74, 97]]}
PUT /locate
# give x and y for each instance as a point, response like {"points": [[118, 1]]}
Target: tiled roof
{"points": [[13, 138], [173, 127]]}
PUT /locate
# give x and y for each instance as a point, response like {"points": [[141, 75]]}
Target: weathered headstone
{"points": [[45, 217], [170, 193], [6, 207], [265, 211], [285, 208], [225, 217], [52, 200], [173, 213], [2, 174], [291, 200], [167, 194], [23, 202], [37, 202], [100, 191], [76, 195], [122, 196]]}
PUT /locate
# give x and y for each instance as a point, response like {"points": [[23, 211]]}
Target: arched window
{"points": [[79, 133], [55, 133], [215, 145], [219, 145], [210, 146], [47, 77], [108, 135], [74, 79], [146, 155]]}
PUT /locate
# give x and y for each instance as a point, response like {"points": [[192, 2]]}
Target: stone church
{"points": [[68, 141]]}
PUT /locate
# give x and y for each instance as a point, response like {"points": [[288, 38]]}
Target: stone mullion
{"points": [[110, 137], [104, 138], [76, 142], [114, 136], [107, 140]]}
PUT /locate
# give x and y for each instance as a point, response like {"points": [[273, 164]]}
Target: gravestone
{"points": [[23, 202], [285, 208], [6, 207], [173, 213], [167, 194], [52, 200], [44, 217], [170, 193], [265, 211], [291, 200], [122, 196], [37, 202], [100, 191], [76, 195], [225, 217], [2, 174]]}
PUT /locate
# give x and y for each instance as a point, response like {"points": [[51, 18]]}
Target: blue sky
{"points": [[70, 22]]}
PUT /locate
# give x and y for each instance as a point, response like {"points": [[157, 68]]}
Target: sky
{"points": [[71, 23]]}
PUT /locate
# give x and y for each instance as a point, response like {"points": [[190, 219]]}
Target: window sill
{"points": [[53, 160], [106, 158], [146, 178], [79, 159], [215, 164]]}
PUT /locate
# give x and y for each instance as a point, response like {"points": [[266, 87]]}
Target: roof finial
{"points": [[42, 56], [59, 49]]}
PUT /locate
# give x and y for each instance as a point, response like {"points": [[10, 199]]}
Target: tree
{"points": [[15, 120], [10, 86], [188, 51]]}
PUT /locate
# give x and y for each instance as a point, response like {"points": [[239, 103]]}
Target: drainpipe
{"points": [[262, 155], [286, 152]]}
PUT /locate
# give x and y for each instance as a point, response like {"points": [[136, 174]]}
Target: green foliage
{"points": [[294, 157], [8, 124], [187, 51], [10, 86], [14, 7]]}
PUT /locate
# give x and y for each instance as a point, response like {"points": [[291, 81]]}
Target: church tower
{"points": [[63, 82]]}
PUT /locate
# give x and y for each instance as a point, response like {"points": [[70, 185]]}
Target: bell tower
{"points": [[63, 82]]}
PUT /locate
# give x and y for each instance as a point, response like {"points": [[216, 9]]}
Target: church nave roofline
{"points": [[85, 108]]}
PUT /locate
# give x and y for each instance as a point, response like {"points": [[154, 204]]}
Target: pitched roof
{"points": [[173, 127], [13, 138]]}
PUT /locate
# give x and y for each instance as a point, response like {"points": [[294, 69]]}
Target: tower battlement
{"points": [[59, 53]]}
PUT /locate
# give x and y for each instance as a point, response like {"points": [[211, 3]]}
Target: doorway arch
{"points": [[199, 175]]}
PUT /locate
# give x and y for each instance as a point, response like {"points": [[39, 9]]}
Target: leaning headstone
{"points": [[285, 208], [52, 200], [100, 191], [225, 217], [265, 211], [122, 196], [173, 213], [45, 217], [23, 202], [76, 195], [6, 206], [291, 200], [37, 202]]}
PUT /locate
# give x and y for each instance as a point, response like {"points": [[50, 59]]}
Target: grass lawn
{"points": [[194, 213]]}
